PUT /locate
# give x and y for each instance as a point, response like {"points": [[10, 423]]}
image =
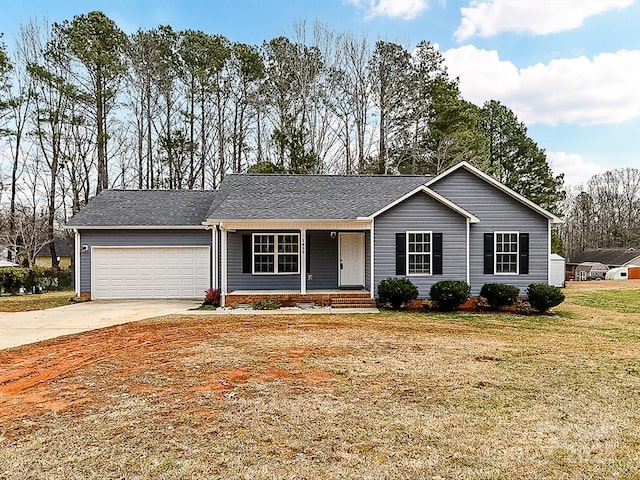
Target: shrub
{"points": [[523, 308], [212, 297], [12, 278], [450, 294], [499, 295], [542, 297], [396, 291], [266, 304], [481, 304]]}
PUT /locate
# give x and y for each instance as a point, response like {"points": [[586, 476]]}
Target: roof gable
{"points": [[427, 191], [499, 185]]}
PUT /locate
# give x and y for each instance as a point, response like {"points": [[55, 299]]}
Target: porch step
{"points": [[353, 302]]}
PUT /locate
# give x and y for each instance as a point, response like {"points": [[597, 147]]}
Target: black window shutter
{"points": [[437, 254], [246, 254], [307, 250], [488, 254], [401, 253], [524, 253]]}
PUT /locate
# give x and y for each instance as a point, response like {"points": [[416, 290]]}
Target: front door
{"points": [[351, 258]]}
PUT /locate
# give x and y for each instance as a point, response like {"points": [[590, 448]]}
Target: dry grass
{"points": [[380, 396], [27, 303]]}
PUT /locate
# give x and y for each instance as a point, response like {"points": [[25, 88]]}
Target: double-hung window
{"points": [[276, 253], [419, 253], [506, 252]]}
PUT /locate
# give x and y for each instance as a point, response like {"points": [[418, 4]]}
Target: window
{"points": [[276, 253], [419, 253], [506, 252]]}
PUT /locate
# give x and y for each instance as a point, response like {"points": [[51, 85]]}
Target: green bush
{"points": [[542, 297], [12, 278], [266, 304], [396, 291], [499, 295], [450, 294]]}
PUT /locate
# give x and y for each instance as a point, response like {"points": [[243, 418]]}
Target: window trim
{"points": [[274, 254], [408, 254], [496, 253]]}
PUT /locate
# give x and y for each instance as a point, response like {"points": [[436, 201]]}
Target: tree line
{"points": [[603, 213], [84, 107]]}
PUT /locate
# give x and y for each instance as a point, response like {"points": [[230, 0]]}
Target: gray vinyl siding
{"points": [[236, 280], [421, 213], [323, 261], [497, 211], [135, 238]]}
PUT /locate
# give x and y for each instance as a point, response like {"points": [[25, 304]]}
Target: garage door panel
{"points": [[149, 272]]}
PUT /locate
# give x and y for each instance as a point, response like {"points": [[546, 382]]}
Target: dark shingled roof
{"points": [[64, 248], [255, 196], [145, 208], [613, 257]]}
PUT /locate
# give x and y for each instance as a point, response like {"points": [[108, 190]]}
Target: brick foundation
{"points": [[291, 299]]}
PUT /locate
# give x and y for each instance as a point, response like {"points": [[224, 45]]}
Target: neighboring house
{"points": [[591, 271], [64, 252], [310, 238], [611, 257]]}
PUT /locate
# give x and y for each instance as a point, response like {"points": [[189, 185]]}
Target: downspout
{"points": [[76, 266], [468, 263]]}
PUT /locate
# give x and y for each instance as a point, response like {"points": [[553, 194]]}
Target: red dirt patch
{"points": [[148, 359]]}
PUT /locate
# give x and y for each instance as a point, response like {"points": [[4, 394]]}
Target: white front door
{"points": [[351, 259]]}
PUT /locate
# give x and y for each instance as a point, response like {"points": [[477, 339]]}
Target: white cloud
{"points": [[403, 9], [576, 170], [582, 91], [487, 18]]}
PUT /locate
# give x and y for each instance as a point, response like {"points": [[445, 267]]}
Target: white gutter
{"points": [[468, 262]]}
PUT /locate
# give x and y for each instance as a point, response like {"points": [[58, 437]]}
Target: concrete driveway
{"points": [[29, 327]]}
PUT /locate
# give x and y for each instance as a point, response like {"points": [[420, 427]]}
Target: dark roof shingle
{"points": [[145, 208], [255, 196], [609, 256]]}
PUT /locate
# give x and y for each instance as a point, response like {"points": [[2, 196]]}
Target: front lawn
{"points": [[474, 396], [29, 302]]}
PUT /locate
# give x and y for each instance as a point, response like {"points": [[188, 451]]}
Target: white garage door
{"points": [[149, 272]]}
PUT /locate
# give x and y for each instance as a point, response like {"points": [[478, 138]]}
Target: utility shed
{"points": [[557, 270]]}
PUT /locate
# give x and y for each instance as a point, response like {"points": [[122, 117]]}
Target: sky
{"points": [[569, 69]]}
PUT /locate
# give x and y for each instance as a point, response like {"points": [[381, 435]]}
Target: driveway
{"points": [[29, 327]]}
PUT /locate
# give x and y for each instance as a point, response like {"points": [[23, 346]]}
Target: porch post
{"points": [[223, 264], [303, 261], [214, 255], [373, 258], [76, 261], [467, 260]]}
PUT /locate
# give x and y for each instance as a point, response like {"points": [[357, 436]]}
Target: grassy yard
{"points": [[365, 396], [26, 303]]}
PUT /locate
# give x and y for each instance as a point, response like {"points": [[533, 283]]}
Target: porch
{"points": [[360, 298], [321, 263]]}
